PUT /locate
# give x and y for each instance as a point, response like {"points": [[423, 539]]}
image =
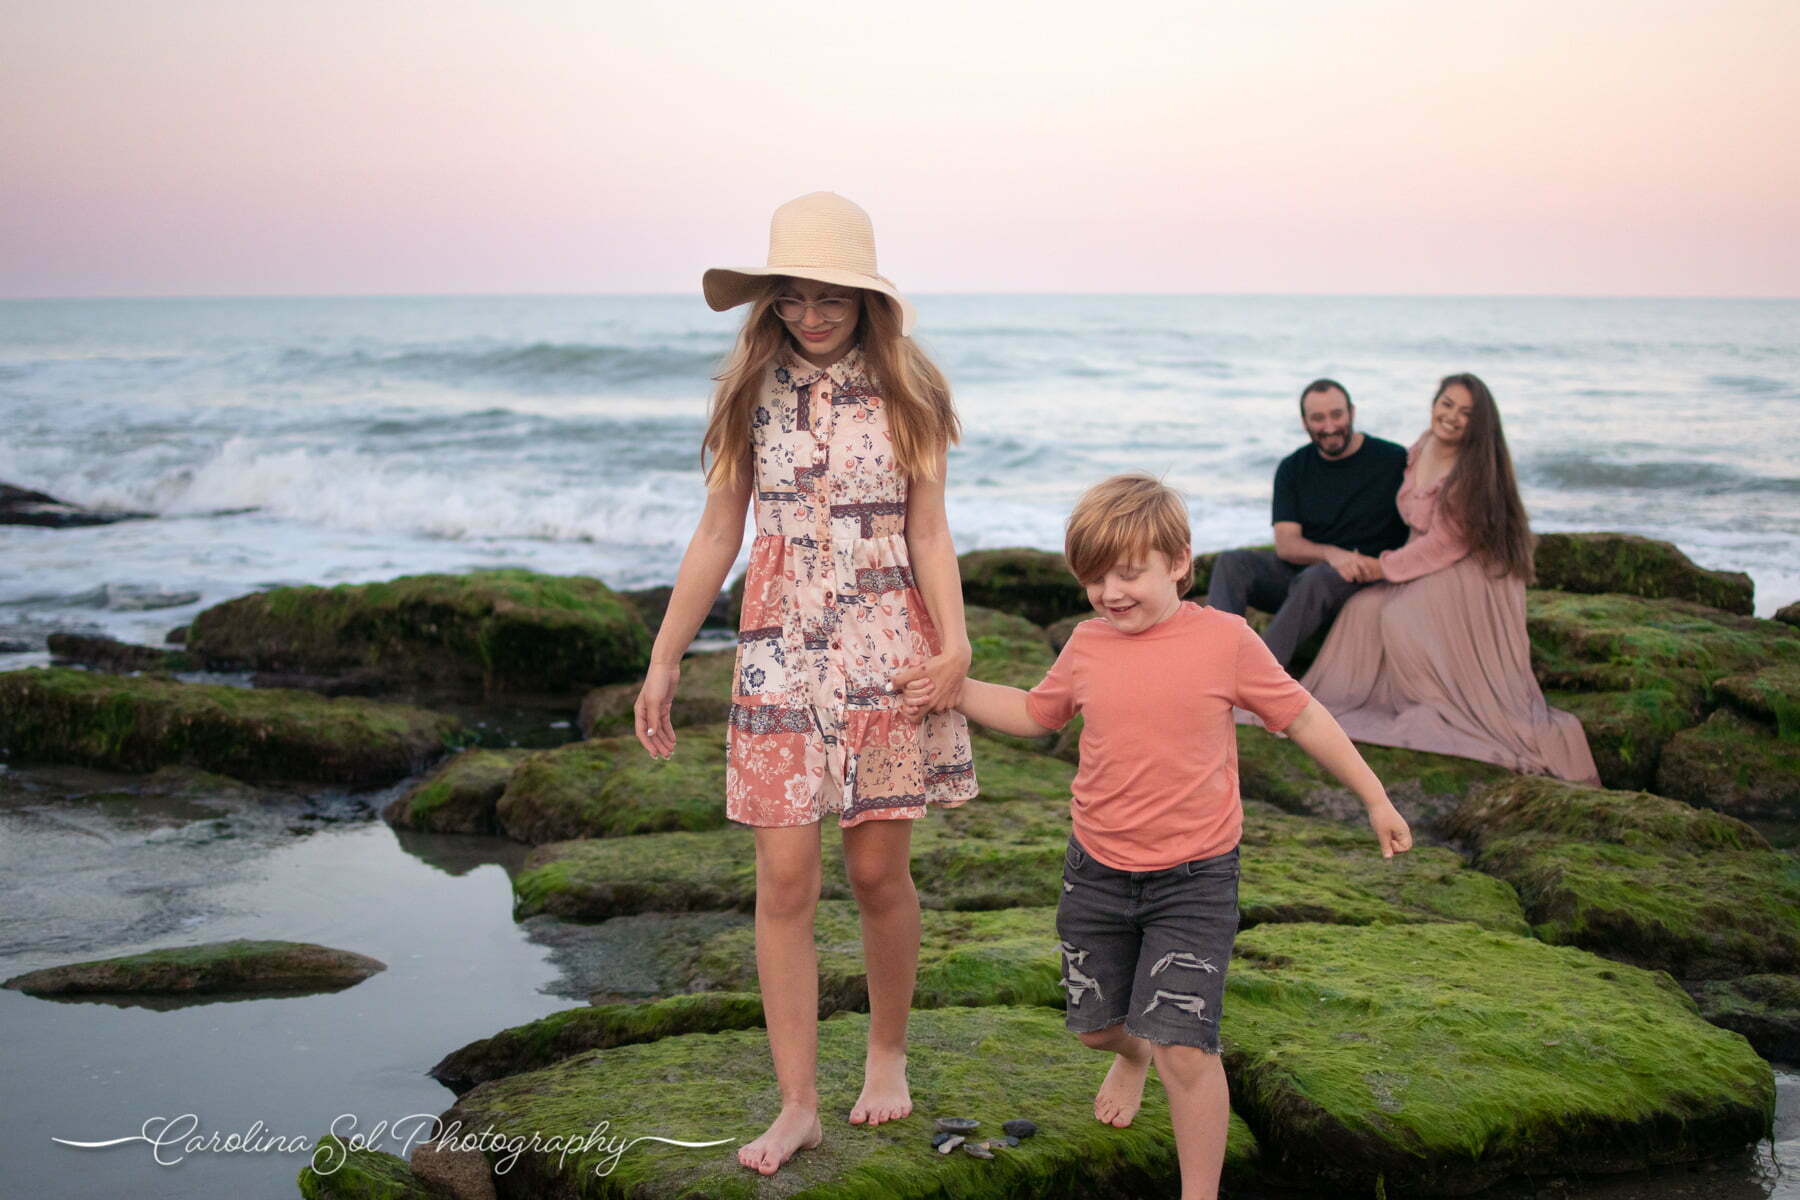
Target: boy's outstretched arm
{"points": [[994, 705], [1317, 732]]}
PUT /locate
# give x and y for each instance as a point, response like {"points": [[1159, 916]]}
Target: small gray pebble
{"points": [[1008, 1142], [950, 1143], [957, 1124], [938, 1139], [1020, 1128], [978, 1149]]}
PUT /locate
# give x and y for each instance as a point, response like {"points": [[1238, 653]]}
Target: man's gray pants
{"points": [[1302, 598]]}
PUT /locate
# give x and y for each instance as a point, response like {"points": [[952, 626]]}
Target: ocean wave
{"points": [[1755, 385], [1580, 473], [538, 364]]}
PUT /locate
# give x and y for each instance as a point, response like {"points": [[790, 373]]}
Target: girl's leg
{"points": [[877, 859], [787, 896], [1121, 1093], [1199, 1107]]}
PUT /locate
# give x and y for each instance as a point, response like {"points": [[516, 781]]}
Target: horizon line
{"points": [[695, 294]]}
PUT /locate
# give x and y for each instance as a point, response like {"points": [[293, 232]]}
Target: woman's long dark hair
{"points": [[1482, 493]]}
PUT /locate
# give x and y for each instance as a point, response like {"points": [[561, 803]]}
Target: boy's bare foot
{"points": [[1122, 1092], [794, 1130], [884, 1095]]}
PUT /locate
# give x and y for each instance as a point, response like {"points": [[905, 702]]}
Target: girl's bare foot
{"points": [[1122, 1092], [884, 1095], [796, 1129]]}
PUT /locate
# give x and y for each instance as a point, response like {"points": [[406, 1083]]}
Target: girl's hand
{"points": [[1391, 832], [947, 672], [914, 688], [652, 710]]}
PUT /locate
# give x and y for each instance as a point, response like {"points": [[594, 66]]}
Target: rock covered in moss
{"points": [[109, 654], [1764, 1008], [1034, 584], [702, 697], [1637, 566], [1771, 695], [500, 631], [1424, 787], [338, 1172], [1639, 878], [1442, 1058], [652, 603], [612, 788], [1789, 614], [561, 1035], [1734, 764], [961, 1061], [458, 797], [1626, 731], [139, 724], [235, 966]]}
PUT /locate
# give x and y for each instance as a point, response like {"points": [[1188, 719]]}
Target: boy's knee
{"points": [[1186, 1064], [1103, 1039]]}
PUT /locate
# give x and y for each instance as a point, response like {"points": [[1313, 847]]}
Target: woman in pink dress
{"points": [[1436, 656], [832, 418]]}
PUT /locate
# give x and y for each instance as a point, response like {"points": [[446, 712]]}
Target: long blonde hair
{"points": [[921, 419]]}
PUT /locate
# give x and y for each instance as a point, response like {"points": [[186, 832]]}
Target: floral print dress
{"points": [[830, 614]]}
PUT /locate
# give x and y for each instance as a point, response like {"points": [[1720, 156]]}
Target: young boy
{"points": [[1149, 896]]}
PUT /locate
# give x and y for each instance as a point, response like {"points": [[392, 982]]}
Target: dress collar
{"points": [[804, 374]]}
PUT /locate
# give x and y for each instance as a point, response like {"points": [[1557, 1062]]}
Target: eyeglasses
{"points": [[833, 310]]}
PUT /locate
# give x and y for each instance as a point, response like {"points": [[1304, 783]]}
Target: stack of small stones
{"points": [[955, 1131]]}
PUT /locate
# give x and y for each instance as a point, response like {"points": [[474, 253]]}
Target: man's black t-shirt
{"points": [[1346, 502]]}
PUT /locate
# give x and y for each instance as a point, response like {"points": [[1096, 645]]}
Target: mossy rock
{"points": [[702, 697], [1059, 633], [458, 797], [573, 1031], [1764, 1008], [109, 654], [1424, 787], [1789, 614], [1640, 878], [500, 631], [1771, 695], [235, 966], [613, 788], [1615, 643], [337, 1172], [1734, 764], [1010, 651], [1439, 1059], [1627, 731], [1637, 566], [140, 724], [652, 603], [962, 1062], [1034, 584]]}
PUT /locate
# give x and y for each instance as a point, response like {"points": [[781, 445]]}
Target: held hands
{"points": [[1391, 832], [1354, 567], [651, 711], [915, 688]]}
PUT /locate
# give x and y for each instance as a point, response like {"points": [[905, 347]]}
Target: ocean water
{"points": [[345, 439]]}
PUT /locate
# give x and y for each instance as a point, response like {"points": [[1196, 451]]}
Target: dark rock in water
{"points": [[106, 654], [702, 697], [58, 715], [1020, 1128], [1764, 1008], [459, 797], [12, 646], [1034, 584], [651, 603], [353, 683], [1789, 613], [495, 631], [235, 966], [177, 636], [21, 506], [1636, 566], [957, 1124]]}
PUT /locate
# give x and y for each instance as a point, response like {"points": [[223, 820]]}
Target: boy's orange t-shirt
{"points": [[1158, 783]]}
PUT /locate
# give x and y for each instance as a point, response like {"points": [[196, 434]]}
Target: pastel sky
{"points": [[1582, 147]]}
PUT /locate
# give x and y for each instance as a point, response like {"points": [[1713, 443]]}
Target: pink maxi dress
{"points": [[1437, 657], [830, 614]]}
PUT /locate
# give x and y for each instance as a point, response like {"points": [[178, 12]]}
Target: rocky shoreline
{"points": [[1559, 979]]}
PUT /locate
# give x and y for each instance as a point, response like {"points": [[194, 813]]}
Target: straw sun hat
{"points": [[819, 236]]}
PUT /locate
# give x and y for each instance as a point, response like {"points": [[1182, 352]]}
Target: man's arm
{"points": [[1291, 546], [1317, 732]]}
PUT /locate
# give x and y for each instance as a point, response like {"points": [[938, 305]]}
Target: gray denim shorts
{"points": [[1148, 948]]}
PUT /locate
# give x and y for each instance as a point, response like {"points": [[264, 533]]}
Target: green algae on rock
{"points": [[140, 724], [1764, 1008], [702, 697], [1423, 786], [1639, 878], [338, 1172], [1637, 566], [961, 1061], [1034, 584], [1626, 731], [1734, 764], [563, 1034], [1438, 1059], [458, 797], [235, 966], [501, 631], [612, 788], [1771, 695]]}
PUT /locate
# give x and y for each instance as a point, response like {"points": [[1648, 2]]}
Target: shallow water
{"points": [[115, 872]]}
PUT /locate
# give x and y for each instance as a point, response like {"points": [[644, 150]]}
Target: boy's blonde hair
{"points": [[1121, 519]]}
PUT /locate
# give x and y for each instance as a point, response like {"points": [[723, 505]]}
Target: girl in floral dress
{"points": [[837, 424]]}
